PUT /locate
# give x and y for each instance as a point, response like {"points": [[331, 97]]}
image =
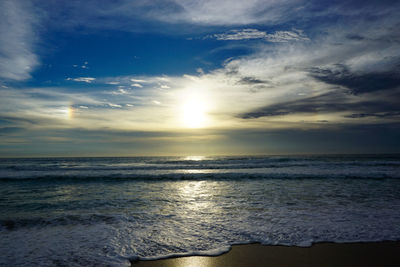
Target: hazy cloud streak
{"points": [[18, 38], [248, 34]]}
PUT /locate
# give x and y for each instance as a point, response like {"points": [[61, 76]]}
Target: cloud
{"points": [[120, 91], [251, 81], [332, 76], [84, 66], [114, 105], [167, 15], [231, 12], [377, 115], [133, 15], [244, 34], [335, 74], [137, 80], [45, 107], [248, 34], [329, 103], [179, 17], [342, 83], [357, 83], [82, 79], [94, 109], [287, 36], [18, 31]]}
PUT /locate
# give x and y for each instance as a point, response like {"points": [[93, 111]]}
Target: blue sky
{"points": [[181, 77]]}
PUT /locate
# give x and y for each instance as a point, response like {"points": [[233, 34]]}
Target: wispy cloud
{"points": [[287, 36], [137, 80], [294, 84], [147, 14], [333, 78], [348, 60], [18, 31], [248, 34], [330, 78], [230, 12], [95, 109], [82, 79], [114, 105], [120, 91], [204, 12], [244, 34]]}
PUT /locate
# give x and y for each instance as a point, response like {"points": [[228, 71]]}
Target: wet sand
{"points": [[324, 254]]}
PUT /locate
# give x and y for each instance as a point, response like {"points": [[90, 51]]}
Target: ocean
{"points": [[108, 211]]}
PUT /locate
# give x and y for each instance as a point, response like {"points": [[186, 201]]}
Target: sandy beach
{"points": [[324, 254]]}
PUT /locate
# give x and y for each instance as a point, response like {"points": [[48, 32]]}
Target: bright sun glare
{"points": [[194, 113]]}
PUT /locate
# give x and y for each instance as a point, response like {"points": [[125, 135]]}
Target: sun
{"points": [[194, 107], [194, 113]]}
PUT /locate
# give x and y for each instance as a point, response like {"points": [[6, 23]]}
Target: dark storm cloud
{"points": [[251, 81], [355, 37], [330, 102], [357, 83], [377, 115]]}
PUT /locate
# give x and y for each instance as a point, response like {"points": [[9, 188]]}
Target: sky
{"points": [[204, 77]]}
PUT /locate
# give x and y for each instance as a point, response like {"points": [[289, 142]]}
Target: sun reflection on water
{"points": [[197, 197], [195, 158], [195, 261]]}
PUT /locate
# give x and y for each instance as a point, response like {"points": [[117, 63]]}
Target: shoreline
{"points": [[382, 253]]}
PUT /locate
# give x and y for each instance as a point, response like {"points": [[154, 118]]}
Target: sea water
{"points": [[108, 211]]}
